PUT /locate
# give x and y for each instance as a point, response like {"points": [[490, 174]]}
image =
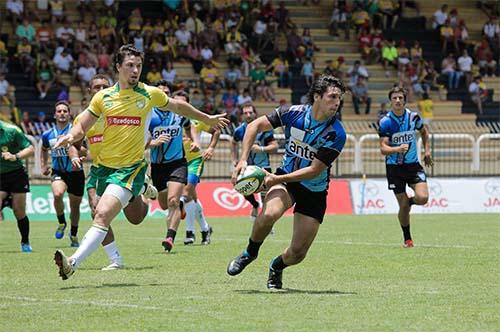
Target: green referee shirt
{"points": [[12, 140]]}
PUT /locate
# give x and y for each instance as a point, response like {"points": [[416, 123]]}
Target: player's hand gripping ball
{"points": [[250, 180]]}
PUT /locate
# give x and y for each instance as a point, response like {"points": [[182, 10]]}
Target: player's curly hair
{"points": [[125, 50], [321, 84], [398, 89]]}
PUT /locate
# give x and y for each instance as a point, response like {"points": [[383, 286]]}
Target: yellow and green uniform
{"points": [[12, 140], [126, 114], [194, 159]]}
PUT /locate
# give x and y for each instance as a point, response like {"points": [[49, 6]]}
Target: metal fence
{"points": [[453, 154]]}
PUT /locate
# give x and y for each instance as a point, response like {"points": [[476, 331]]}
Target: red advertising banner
{"points": [[219, 199]]}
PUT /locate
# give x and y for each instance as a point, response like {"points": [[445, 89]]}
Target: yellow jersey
{"points": [[200, 126], [94, 137], [126, 116], [425, 106]]}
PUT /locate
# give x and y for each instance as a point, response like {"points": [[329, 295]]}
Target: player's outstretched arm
{"points": [[258, 125], [78, 131], [185, 109]]}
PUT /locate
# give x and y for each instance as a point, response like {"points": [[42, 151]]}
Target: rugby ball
{"points": [[250, 180]]}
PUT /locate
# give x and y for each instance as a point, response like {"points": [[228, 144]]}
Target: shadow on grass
{"points": [[293, 291], [117, 285]]}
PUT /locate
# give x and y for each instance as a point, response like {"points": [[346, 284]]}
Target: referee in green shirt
{"points": [[14, 180]]}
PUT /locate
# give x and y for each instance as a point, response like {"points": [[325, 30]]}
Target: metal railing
{"points": [[453, 154]]}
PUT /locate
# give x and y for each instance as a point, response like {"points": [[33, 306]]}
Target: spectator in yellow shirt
{"points": [[389, 55], [24, 55], [426, 107], [360, 18], [447, 36], [154, 75], [279, 67], [209, 77]]}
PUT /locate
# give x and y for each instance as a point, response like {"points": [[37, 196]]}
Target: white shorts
{"points": [[123, 195]]}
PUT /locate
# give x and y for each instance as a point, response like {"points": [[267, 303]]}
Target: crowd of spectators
{"points": [[262, 46]]}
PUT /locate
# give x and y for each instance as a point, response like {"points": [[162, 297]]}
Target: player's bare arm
{"points": [[44, 161], [185, 109], [209, 152], [25, 153], [78, 131], [306, 173], [386, 149], [258, 125], [195, 139], [424, 133]]}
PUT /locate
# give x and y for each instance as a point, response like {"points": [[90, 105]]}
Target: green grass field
{"points": [[357, 277]]}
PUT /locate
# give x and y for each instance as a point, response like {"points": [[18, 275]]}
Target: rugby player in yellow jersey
{"points": [[126, 108], [136, 211], [190, 202]]}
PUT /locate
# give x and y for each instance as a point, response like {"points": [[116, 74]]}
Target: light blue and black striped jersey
{"points": [[260, 159], [60, 159], [308, 139], [401, 130], [173, 125]]}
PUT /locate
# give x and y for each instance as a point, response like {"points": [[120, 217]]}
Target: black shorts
{"points": [[398, 176], [15, 181], [75, 181], [307, 202], [175, 171]]}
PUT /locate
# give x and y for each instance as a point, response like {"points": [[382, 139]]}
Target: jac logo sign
{"points": [[435, 196], [370, 198], [492, 188], [123, 120]]}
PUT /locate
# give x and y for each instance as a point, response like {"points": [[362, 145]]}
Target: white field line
{"points": [[79, 302], [370, 244]]}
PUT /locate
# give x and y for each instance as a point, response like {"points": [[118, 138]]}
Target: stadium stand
{"points": [[91, 34]]}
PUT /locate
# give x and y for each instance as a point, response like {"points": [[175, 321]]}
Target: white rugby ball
{"points": [[250, 180]]}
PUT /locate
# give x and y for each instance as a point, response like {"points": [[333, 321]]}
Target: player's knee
{"points": [[58, 195], [19, 212], [101, 216], [173, 202], [421, 199], [270, 215]]}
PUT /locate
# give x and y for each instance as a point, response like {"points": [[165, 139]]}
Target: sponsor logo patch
{"points": [[123, 120], [172, 131], [301, 149], [404, 137], [95, 139]]}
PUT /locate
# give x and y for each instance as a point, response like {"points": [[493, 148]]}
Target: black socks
{"points": [[24, 228], [253, 248]]}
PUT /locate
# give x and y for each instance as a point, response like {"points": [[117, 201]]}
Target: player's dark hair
{"points": [[321, 84], [98, 77], [126, 50], [181, 93], [248, 105], [398, 89], [62, 102]]}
